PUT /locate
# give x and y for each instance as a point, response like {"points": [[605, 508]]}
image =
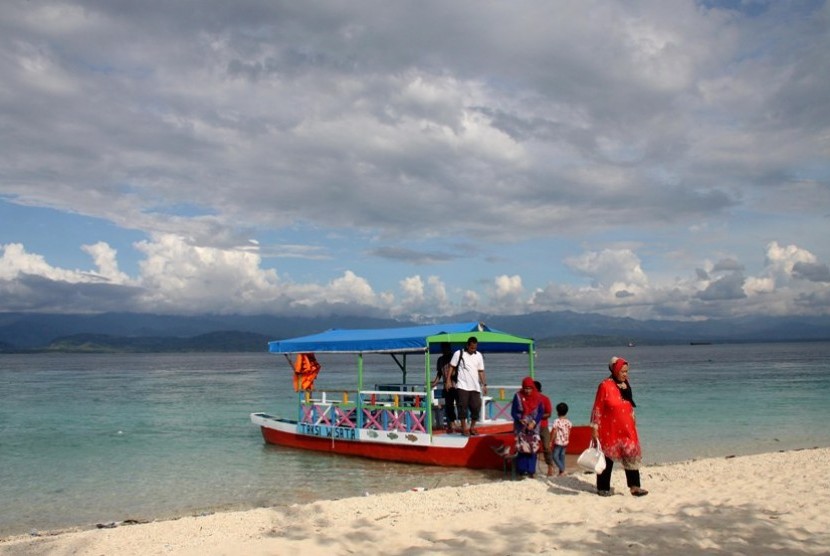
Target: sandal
{"points": [[473, 432]]}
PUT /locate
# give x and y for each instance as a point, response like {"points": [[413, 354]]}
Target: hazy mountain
{"points": [[151, 333], [226, 341], [550, 325], [32, 331]]}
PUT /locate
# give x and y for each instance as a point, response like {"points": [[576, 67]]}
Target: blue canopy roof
{"points": [[413, 339]]}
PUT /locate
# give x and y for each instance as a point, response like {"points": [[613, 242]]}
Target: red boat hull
{"points": [[475, 452], [478, 453]]}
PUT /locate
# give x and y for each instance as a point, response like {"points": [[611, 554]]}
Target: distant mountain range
{"points": [[132, 332]]}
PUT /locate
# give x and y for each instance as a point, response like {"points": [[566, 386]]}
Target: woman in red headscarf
{"points": [[613, 423], [527, 412]]}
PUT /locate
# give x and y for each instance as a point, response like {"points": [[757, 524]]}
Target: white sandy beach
{"points": [[761, 504]]}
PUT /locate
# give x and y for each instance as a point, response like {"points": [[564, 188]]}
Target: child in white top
{"points": [[561, 436]]}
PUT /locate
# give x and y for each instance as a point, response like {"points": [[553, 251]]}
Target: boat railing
{"points": [[385, 409], [499, 401], [399, 387], [495, 405], [380, 410]]}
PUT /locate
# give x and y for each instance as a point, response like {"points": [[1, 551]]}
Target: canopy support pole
{"points": [[401, 366]]}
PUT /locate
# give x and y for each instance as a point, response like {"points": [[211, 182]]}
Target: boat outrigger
{"points": [[403, 421]]}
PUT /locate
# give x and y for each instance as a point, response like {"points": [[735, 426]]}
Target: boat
{"points": [[400, 421]]}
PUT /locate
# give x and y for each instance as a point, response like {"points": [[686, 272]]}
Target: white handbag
{"points": [[592, 459]]}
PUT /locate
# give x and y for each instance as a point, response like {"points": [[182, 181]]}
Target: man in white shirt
{"points": [[471, 383]]}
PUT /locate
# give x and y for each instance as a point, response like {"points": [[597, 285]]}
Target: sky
{"points": [[653, 159]]}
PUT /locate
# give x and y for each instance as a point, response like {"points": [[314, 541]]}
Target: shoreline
{"points": [[734, 504]]}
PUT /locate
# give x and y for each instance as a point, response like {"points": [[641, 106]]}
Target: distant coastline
{"points": [[241, 342], [156, 333], [214, 342]]}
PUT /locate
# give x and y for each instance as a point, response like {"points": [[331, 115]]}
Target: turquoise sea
{"points": [[86, 439]]}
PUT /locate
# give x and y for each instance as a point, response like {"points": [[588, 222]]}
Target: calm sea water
{"points": [[86, 439]]}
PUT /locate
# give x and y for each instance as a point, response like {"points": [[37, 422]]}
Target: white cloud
{"points": [[421, 299], [756, 285], [16, 261], [178, 277], [104, 257], [780, 260], [471, 301], [508, 286], [350, 288], [349, 146], [614, 269], [507, 295], [413, 289]]}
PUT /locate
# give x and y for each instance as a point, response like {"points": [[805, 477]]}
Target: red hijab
{"points": [[616, 365], [530, 400]]}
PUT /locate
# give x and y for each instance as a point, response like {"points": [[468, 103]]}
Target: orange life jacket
{"points": [[306, 368]]}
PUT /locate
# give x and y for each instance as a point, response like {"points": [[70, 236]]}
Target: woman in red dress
{"points": [[614, 424]]}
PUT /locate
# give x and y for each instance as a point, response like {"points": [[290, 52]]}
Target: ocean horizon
{"points": [[94, 438]]}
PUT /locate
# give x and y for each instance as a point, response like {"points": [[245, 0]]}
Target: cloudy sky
{"points": [[642, 158]]}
